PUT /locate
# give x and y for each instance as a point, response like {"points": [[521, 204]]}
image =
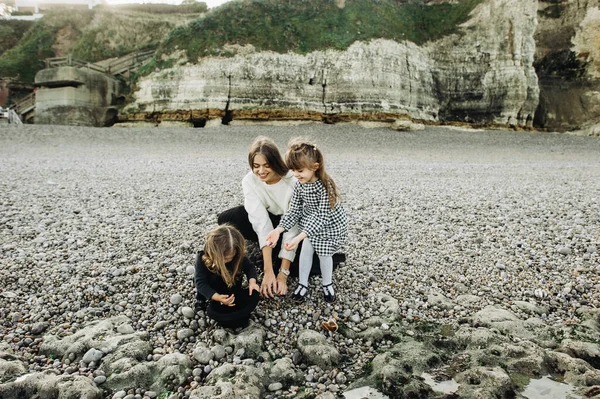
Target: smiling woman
{"points": [[267, 190]]}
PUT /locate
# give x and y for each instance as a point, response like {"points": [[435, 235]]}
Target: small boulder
{"points": [[316, 351], [404, 125]]}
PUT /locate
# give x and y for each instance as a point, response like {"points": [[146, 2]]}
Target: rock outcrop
{"points": [[567, 62], [484, 75]]}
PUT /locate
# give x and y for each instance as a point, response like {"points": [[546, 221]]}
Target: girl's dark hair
{"points": [[224, 241], [304, 154], [266, 147]]}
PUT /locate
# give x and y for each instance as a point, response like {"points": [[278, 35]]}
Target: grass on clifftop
{"points": [[302, 26], [90, 35]]}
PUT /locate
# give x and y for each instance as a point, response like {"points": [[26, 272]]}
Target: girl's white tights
{"points": [[305, 264]]}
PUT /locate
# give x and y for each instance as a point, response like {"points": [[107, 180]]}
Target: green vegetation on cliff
{"points": [[303, 26], [11, 31], [25, 59], [91, 35]]}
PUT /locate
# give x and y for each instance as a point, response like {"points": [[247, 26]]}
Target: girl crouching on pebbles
{"points": [[219, 278], [316, 209]]}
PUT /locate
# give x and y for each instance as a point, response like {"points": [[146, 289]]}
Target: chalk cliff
{"points": [[482, 75], [567, 62]]}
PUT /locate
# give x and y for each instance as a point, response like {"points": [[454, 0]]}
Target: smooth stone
{"points": [[564, 251], [184, 333], [276, 386], [203, 355], [39, 327], [160, 325], [92, 355], [219, 351], [125, 329], [176, 299], [99, 379], [188, 312]]}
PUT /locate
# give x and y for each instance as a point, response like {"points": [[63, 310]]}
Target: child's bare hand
{"points": [[291, 245], [227, 300], [294, 242], [252, 286]]}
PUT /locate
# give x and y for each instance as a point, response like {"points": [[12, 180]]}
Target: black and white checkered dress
{"points": [[309, 208]]}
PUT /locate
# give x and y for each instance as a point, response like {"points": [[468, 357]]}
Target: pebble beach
{"points": [[98, 223]]}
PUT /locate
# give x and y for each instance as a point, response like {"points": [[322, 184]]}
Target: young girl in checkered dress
{"points": [[316, 209]]}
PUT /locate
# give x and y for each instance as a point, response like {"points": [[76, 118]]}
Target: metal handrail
{"points": [[70, 61], [13, 117], [121, 65], [130, 61], [24, 103]]}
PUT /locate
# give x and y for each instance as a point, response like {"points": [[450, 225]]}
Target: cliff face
{"points": [[483, 75], [487, 75], [567, 62]]}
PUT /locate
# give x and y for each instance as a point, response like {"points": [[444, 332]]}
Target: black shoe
{"points": [[328, 295], [338, 258], [298, 297]]}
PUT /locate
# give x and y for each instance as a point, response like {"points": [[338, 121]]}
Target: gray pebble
{"points": [[276, 386], [176, 299], [99, 379]]}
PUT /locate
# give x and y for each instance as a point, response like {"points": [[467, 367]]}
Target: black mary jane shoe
{"points": [[338, 257], [327, 295], [298, 297]]}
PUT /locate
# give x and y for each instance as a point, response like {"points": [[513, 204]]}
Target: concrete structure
{"points": [[75, 96], [35, 6]]}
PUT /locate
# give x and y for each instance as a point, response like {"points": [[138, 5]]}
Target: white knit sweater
{"points": [[260, 198]]}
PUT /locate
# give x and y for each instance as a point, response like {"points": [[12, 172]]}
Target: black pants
{"points": [[238, 218], [234, 316]]}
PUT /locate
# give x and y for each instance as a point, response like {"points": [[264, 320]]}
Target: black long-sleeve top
{"points": [[209, 283]]}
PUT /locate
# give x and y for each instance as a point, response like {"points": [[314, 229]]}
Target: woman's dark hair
{"points": [[266, 147]]}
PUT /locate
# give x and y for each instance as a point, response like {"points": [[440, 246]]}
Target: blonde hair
{"points": [[266, 147], [225, 240], [304, 154]]}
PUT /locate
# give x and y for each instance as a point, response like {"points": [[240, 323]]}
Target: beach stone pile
{"points": [[472, 256]]}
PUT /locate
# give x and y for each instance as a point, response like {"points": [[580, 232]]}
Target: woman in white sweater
{"points": [[268, 190]]}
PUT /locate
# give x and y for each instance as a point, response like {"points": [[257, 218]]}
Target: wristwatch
{"points": [[285, 271]]}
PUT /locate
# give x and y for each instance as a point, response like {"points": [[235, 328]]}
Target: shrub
{"points": [[303, 26]]}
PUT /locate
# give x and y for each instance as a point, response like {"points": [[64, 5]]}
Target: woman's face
{"points": [[262, 169]]}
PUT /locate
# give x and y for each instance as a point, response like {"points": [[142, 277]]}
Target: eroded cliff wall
{"points": [[484, 74], [567, 61]]}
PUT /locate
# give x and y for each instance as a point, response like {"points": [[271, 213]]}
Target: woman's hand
{"points": [[227, 300], [273, 237], [252, 286], [268, 285]]}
